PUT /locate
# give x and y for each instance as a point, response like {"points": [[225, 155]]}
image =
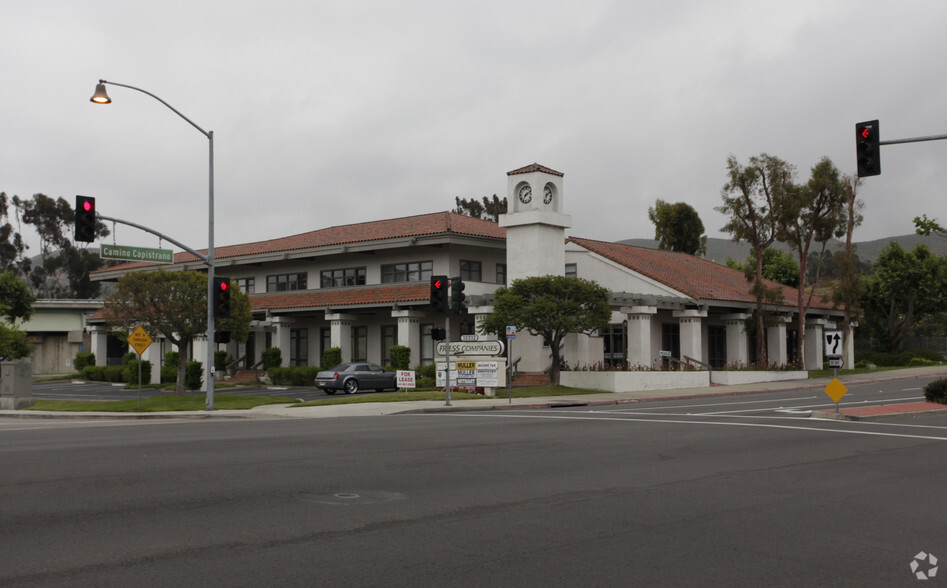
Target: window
{"points": [[359, 343], [469, 270], [571, 270], [299, 347], [337, 278], [427, 345], [389, 338], [284, 282], [501, 273], [245, 284], [325, 334], [414, 271]]}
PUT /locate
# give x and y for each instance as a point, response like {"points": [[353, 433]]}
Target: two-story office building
{"points": [[365, 287]]}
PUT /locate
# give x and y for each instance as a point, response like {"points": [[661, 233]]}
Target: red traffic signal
{"points": [[439, 294], [85, 219], [868, 148], [222, 297]]}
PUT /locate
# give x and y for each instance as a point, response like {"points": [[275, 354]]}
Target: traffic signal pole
{"points": [[868, 142]]}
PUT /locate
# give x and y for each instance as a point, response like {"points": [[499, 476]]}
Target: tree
{"points": [[487, 209], [677, 227], [904, 287], [750, 198], [813, 212], [16, 303], [170, 304], [849, 289], [550, 307], [925, 226], [12, 246], [778, 266]]}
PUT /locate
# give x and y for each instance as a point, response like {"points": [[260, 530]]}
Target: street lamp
{"points": [[102, 97]]}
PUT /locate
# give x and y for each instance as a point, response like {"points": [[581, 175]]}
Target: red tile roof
{"points": [[411, 226], [406, 293], [692, 276]]}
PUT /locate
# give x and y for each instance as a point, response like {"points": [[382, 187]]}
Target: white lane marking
{"points": [[692, 422]]}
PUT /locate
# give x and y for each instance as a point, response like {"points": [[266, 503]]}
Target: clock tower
{"points": [[535, 224]]}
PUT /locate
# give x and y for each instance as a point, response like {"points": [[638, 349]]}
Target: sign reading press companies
{"points": [[136, 254]]}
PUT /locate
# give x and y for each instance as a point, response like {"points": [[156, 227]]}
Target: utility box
{"points": [[16, 384]]}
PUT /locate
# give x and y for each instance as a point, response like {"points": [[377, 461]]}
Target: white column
{"points": [[341, 333], [691, 343], [639, 334], [153, 355], [738, 351], [282, 339], [815, 328], [849, 342], [100, 344], [776, 341], [409, 332]]}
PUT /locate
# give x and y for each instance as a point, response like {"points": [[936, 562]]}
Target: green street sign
{"points": [[136, 254]]}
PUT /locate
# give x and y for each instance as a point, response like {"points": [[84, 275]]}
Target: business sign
{"points": [[485, 374], [460, 348], [405, 379], [136, 254]]}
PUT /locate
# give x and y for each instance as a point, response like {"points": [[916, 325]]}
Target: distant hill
{"points": [[719, 250]]}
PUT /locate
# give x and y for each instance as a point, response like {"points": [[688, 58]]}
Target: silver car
{"points": [[352, 377]]}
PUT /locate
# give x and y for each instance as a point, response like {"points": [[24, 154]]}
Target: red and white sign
{"points": [[405, 379]]}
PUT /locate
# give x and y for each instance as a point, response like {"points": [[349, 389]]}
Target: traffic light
{"points": [[222, 297], [85, 219], [439, 294], [868, 148], [221, 336], [438, 334], [457, 296]]}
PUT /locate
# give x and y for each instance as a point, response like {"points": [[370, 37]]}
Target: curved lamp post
{"points": [[101, 97]]}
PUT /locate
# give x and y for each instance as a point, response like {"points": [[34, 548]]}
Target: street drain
{"points": [[364, 497]]}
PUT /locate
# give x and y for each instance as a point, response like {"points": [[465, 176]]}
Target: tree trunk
{"points": [[179, 386]]}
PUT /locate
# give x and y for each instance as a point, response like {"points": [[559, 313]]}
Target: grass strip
{"points": [[169, 403]]}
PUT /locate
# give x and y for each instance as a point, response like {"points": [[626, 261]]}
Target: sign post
{"points": [[140, 341]]}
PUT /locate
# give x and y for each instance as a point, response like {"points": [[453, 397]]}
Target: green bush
{"points": [[425, 382], [936, 391], [426, 371], [272, 358], [82, 360], [293, 376], [898, 359], [130, 372], [400, 357], [331, 357], [169, 371], [220, 360], [193, 375], [102, 373]]}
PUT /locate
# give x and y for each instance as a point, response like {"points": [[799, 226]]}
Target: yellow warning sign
{"points": [[836, 390], [139, 340]]}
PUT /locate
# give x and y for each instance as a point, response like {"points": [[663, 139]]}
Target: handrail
{"points": [[685, 360]]}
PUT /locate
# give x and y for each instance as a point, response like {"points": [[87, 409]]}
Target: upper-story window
{"points": [[501, 273], [337, 278], [245, 284], [284, 282], [412, 271], [470, 270], [572, 271]]}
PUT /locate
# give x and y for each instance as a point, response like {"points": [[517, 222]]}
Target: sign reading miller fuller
{"points": [[136, 253], [459, 348]]}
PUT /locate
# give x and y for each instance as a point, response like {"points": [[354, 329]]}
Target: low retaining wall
{"points": [[634, 381], [731, 378]]}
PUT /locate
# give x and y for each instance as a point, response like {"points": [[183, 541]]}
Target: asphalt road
{"points": [[740, 491], [102, 391]]}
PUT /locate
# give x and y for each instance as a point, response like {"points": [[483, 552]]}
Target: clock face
{"points": [[526, 194], [547, 195]]}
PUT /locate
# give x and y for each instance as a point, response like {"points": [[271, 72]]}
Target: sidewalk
{"points": [[501, 402]]}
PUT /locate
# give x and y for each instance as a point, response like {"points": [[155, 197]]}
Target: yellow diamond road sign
{"points": [[836, 390], [140, 340]]}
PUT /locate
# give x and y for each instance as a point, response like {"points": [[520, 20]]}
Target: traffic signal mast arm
{"points": [[200, 256], [868, 142]]}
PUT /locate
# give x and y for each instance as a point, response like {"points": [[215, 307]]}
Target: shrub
{"points": [[293, 375], [82, 360], [169, 371], [331, 357], [426, 371], [936, 391], [193, 375], [272, 358], [130, 372], [220, 360], [400, 357]]}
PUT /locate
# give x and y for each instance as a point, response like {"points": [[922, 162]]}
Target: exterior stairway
{"points": [[242, 377]]}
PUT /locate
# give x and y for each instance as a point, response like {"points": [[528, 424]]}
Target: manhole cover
{"points": [[361, 497]]}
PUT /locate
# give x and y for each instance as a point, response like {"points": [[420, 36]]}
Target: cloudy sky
{"points": [[331, 112]]}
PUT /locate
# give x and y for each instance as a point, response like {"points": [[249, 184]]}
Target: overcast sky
{"points": [[336, 112]]}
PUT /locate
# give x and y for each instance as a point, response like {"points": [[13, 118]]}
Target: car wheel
{"points": [[351, 386]]}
